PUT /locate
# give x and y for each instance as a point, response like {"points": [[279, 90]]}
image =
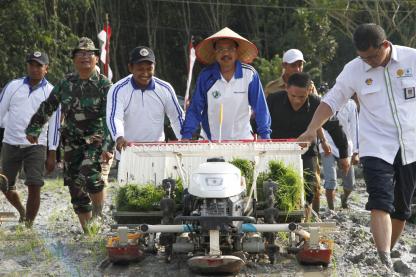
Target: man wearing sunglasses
{"points": [[384, 78], [85, 136]]}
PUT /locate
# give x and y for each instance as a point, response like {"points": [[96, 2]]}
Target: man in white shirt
{"points": [[137, 104], [19, 101], [228, 91], [383, 77], [348, 118]]}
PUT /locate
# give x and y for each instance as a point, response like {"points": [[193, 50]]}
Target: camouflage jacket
{"points": [[83, 105]]}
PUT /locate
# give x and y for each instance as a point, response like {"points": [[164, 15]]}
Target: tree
{"points": [[28, 26]]}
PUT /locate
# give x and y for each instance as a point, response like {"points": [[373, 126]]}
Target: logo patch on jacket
{"points": [[216, 94]]}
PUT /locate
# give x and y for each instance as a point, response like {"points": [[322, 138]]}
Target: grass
{"points": [[23, 241], [53, 184]]}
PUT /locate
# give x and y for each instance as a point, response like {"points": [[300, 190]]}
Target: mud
{"points": [[55, 246]]}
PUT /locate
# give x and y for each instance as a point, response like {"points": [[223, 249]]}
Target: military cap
{"points": [[85, 44]]}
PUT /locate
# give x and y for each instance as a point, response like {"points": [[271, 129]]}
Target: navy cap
{"points": [[39, 57], [141, 54]]}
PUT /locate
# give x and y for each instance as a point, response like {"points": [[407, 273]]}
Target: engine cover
{"points": [[216, 180]]}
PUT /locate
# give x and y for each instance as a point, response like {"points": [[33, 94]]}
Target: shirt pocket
{"points": [[373, 98], [408, 91]]}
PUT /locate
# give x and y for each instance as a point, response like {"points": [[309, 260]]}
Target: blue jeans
{"points": [[330, 164]]}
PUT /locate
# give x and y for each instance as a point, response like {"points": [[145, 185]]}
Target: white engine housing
{"points": [[216, 180]]}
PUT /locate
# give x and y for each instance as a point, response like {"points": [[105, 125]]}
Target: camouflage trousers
{"points": [[82, 173]]}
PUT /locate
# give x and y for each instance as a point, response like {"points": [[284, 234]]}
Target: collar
{"points": [[42, 83], [150, 86], [393, 57], [237, 74]]}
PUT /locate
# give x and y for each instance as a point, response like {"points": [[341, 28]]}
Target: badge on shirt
{"points": [[400, 72], [409, 93], [216, 94], [408, 72], [369, 81]]}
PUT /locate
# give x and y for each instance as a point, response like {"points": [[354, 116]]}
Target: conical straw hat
{"points": [[205, 52]]}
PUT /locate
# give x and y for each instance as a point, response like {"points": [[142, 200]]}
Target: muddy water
{"points": [[63, 251]]}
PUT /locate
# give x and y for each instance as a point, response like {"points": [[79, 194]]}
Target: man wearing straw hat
{"points": [[227, 91]]}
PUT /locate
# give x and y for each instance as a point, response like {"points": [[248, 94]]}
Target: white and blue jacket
{"points": [[138, 115], [18, 103], [241, 96]]}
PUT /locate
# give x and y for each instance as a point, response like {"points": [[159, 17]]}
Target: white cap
{"points": [[293, 55]]}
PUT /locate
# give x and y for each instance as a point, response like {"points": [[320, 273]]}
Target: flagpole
{"points": [[192, 58], [107, 46]]}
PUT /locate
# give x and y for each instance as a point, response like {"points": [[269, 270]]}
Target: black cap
{"points": [[141, 54], [39, 57]]}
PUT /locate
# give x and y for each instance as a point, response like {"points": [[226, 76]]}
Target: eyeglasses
{"points": [[374, 56], [223, 50], [81, 54]]}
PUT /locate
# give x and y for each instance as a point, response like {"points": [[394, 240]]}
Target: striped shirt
{"points": [[18, 102], [138, 115]]}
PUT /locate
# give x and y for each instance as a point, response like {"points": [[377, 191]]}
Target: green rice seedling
{"points": [[93, 228], [138, 197], [247, 170], [283, 237], [290, 185], [179, 191]]}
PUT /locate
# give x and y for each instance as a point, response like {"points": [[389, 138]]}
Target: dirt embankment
{"points": [[55, 245]]}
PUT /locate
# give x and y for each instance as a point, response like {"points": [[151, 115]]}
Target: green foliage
{"points": [[247, 170], [268, 70], [25, 28], [290, 185], [138, 197], [179, 191]]}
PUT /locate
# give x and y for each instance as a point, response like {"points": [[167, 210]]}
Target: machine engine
{"points": [[217, 189]]}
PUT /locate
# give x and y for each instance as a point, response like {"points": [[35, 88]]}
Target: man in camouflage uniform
{"points": [[82, 96]]}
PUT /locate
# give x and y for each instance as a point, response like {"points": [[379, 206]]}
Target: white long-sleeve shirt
{"points": [[348, 119], [138, 115], [18, 103], [387, 116]]}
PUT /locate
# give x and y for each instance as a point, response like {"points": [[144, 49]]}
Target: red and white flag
{"points": [[192, 58], [104, 38]]}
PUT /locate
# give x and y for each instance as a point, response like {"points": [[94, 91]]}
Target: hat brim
{"points": [[145, 59], [39, 61], [96, 51], [295, 60], [205, 52]]}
